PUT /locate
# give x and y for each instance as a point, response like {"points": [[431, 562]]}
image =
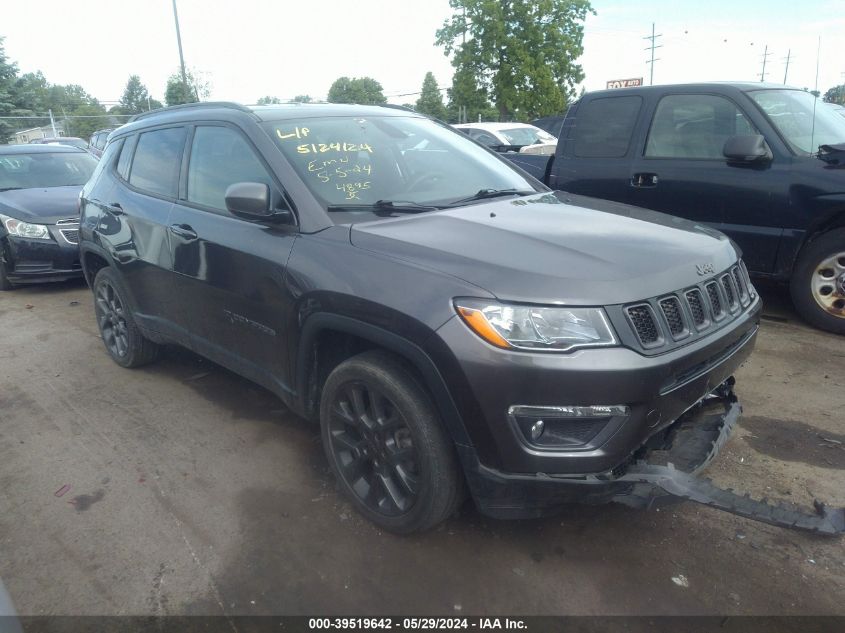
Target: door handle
{"points": [[114, 208], [184, 231], [644, 180]]}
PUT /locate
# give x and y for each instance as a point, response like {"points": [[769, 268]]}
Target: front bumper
{"points": [[33, 261], [665, 472], [656, 389]]}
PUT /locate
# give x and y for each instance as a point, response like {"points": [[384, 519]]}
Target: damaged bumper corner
{"points": [[661, 474], [666, 476]]}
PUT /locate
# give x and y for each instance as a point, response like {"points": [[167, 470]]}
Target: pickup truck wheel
{"points": [[121, 336], [386, 446], [818, 282]]}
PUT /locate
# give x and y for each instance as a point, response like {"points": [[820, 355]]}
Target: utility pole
{"points": [[181, 56], [651, 61], [53, 123], [766, 54], [786, 72]]}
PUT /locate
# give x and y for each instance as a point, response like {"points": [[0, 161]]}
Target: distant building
{"points": [[46, 131]]}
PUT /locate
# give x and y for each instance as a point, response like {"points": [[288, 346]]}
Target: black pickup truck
{"points": [[762, 163]]}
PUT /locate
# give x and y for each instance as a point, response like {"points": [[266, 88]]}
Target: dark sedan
{"points": [[39, 216]]}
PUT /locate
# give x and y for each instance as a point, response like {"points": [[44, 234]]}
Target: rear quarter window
{"points": [[603, 127]]}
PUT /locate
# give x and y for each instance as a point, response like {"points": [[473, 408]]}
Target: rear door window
{"points": [[155, 167], [603, 127]]}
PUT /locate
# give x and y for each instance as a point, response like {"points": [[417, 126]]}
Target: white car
{"points": [[530, 139]]}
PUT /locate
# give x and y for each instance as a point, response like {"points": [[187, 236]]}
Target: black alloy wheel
{"points": [[121, 336], [386, 445], [373, 447], [112, 320]]}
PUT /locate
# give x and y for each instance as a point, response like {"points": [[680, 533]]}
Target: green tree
{"points": [[522, 52], [836, 95], [177, 93], [31, 92], [363, 90], [135, 96], [431, 101], [8, 76], [467, 99], [268, 100], [303, 99]]}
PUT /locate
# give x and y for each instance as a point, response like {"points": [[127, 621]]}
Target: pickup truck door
{"points": [[680, 170], [229, 272], [597, 146]]}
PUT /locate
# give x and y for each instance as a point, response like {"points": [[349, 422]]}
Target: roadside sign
{"points": [[625, 83]]}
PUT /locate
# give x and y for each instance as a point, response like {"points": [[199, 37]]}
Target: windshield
{"points": [[363, 160], [526, 136], [59, 169], [804, 121]]}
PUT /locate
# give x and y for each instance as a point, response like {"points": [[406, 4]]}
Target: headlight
{"points": [[19, 228], [536, 328]]}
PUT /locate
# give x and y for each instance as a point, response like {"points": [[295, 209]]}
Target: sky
{"points": [[246, 49]]}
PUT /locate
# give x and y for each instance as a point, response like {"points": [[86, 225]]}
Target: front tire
{"points": [[818, 282], [5, 284], [386, 445], [121, 336]]}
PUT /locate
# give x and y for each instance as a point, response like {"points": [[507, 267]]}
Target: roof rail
{"points": [[395, 106], [187, 106]]}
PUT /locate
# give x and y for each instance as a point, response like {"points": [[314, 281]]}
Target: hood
{"points": [[554, 248], [41, 206]]}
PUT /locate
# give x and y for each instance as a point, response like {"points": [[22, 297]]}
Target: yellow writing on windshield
{"points": [[298, 132], [352, 189], [322, 148]]}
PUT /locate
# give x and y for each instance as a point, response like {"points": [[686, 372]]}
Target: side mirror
{"points": [[747, 149], [251, 201]]}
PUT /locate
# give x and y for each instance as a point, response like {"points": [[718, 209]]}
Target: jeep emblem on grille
{"points": [[705, 269]]}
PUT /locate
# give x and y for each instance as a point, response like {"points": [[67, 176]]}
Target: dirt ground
{"points": [[183, 489]]}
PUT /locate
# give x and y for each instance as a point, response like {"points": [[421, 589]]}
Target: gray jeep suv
{"points": [[452, 324]]}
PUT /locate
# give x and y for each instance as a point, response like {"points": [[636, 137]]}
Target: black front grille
{"points": [[715, 300], [740, 284], [696, 306], [644, 324], [71, 235], [729, 291], [671, 308], [669, 321]]}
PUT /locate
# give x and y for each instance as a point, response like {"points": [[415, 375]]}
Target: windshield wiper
{"points": [[483, 194], [10, 188], [385, 207]]}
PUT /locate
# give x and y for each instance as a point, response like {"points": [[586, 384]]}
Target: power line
{"points": [[653, 39]]}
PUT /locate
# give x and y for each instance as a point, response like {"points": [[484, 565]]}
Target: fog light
{"points": [[564, 426]]}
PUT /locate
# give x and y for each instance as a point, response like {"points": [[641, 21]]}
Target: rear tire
{"points": [[818, 282], [386, 445], [121, 336]]}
